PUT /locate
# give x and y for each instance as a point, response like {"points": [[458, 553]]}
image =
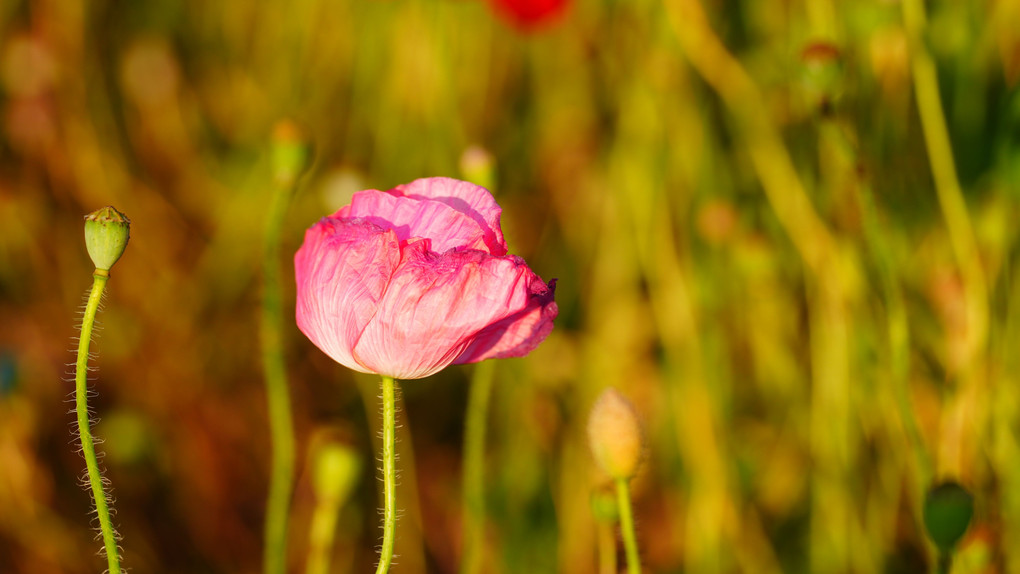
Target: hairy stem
{"points": [[389, 460], [473, 511], [627, 526], [277, 394], [100, 278]]}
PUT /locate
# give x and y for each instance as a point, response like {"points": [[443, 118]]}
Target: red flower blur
{"points": [[530, 14]]}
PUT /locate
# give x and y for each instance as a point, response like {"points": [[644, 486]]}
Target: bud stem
{"points": [[281, 427], [389, 460], [84, 426], [944, 563], [627, 526], [321, 535], [607, 548], [474, 467]]}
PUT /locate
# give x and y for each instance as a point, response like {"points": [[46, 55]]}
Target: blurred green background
{"points": [[736, 197]]}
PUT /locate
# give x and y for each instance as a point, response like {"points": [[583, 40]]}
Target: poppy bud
{"points": [[478, 167], [335, 471], [615, 435], [948, 508], [106, 236], [822, 74], [289, 152]]}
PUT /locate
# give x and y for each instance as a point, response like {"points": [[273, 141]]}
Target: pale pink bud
{"points": [[614, 434]]}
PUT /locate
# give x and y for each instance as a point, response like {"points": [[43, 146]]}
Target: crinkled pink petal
{"points": [[435, 305], [342, 270], [472, 200], [518, 334], [408, 281], [410, 218]]}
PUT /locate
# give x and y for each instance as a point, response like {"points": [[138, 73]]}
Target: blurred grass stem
{"points": [[281, 426], [785, 192], [627, 526], [607, 548], [473, 511], [99, 279], [321, 535], [943, 168], [898, 331], [831, 513], [389, 473]]}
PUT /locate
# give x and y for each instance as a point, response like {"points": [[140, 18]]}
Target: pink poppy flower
{"points": [[404, 282]]}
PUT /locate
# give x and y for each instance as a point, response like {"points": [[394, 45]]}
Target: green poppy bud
{"points": [[106, 236], [615, 435], [948, 509]]}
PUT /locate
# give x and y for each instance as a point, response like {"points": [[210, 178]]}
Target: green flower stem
{"points": [[323, 531], [389, 460], [627, 526], [473, 511], [100, 277], [281, 427]]}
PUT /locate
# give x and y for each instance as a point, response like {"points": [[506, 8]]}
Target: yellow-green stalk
{"points": [[389, 460], [604, 509], [477, 165], [289, 156], [335, 473], [473, 511], [106, 237]]}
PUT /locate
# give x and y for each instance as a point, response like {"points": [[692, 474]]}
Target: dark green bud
{"points": [[106, 236], [948, 509]]}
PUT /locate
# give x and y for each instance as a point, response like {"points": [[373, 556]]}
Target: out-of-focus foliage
{"points": [[796, 410]]}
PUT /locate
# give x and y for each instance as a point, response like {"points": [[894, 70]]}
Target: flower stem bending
{"points": [[100, 278], [474, 467], [389, 460], [627, 526], [280, 425]]}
